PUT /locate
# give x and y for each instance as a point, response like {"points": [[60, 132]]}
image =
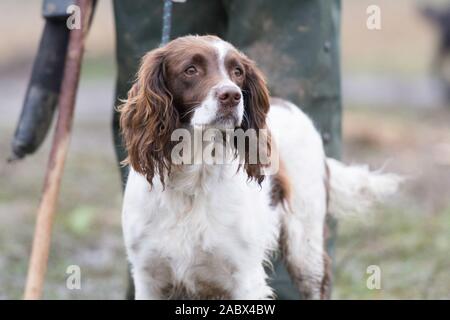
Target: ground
{"points": [[392, 119]]}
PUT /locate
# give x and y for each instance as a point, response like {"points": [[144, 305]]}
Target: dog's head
{"points": [[199, 81]]}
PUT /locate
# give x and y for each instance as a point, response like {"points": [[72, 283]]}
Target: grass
{"points": [[411, 248]]}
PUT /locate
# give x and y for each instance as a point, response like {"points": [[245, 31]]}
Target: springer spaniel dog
{"points": [[204, 229]]}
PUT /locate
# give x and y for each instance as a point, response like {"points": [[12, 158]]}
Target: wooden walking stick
{"points": [[47, 207]]}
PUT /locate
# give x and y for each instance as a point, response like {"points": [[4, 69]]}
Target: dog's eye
{"points": [[238, 72], [191, 70]]}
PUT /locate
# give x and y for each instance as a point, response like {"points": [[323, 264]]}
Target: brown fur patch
{"points": [[208, 279], [205, 290], [210, 290], [281, 191]]}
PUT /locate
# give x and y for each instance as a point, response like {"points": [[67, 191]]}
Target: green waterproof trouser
{"points": [[294, 42]]}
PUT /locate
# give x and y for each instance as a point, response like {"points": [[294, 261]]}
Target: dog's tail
{"points": [[354, 189]]}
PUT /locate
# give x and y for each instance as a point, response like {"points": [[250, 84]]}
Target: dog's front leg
{"points": [[251, 284], [147, 287], [152, 281]]}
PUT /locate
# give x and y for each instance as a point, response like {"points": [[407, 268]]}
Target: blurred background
{"points": [[396, 116]]}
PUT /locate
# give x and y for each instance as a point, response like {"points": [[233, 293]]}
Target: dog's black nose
{"points": [[229, 96]]}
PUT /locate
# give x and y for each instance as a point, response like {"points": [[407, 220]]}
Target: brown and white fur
{"points": [[206, 230]]}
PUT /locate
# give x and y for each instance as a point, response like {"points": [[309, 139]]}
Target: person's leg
{"points": [[296, 44], [138, 30]]}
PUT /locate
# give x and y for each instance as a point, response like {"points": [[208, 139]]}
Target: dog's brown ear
{"points": [[256, 107], [148, 119]]}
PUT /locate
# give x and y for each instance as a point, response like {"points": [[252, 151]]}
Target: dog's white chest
{"points": [[202, 239]]}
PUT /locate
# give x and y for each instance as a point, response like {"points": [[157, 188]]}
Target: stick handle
{"points": [[47, 207]]}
